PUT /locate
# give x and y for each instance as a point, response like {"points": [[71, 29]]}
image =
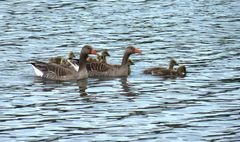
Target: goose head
{"points": [[88, 49], [172, 63], [132, 50], [105, 53], [71, 55]]}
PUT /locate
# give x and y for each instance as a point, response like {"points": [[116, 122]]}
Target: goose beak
{"points": [[94, 52], [107, 54], [136, 50]]}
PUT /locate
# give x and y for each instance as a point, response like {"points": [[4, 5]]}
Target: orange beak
{"points": [[94, 52], [136, 50]]}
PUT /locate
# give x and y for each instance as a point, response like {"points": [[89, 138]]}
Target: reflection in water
{"points": [[50, 85], [127, 87], [82, 85]]}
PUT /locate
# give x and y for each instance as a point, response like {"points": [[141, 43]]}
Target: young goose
{"points": [[170, 67], [65, 63], [56, 60], [57, 72], [103, 57], [59, 59], [130, 62], [90, 60], [100, 58], [71, 55], [106, 70], [180, 72]]}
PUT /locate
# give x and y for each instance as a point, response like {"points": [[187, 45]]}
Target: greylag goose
{"points": [[59, 59], [105, 70], [130, 62], [57, 72], [180, 72], [170, 67]]}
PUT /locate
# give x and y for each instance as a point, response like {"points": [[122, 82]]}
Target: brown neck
{"points": [[170, 66], [82, 61], [104, 60], [125, 58]]}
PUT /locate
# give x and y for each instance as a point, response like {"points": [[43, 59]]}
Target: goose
{"points": [[100, 58], [59, 59], [172, 63], [54, 71], [103, 57], [130, 62], [106, 70], [180, 72]]}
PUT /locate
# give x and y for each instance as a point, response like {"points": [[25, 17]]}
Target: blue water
{"points": [[203, 106]]}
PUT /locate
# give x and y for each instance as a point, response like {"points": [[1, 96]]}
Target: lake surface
{"points": [[203, 106]]}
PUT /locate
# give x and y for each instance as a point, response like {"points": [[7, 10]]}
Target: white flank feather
{"points": [[75, 66], [37, 71]]}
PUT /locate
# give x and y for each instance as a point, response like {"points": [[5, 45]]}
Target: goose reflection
{"points": [[126, 87], [82, 85], [50, 85]]}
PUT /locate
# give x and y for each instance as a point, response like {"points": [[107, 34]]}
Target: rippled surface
{"points": [[203, 106]]}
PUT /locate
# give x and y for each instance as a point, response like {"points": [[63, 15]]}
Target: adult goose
{"points": [[130, 62], [106, 70], [54, 71], [172, 63], [180, 72]]}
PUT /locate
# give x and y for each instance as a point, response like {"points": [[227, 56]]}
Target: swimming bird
{"points": [[59, 59], [180, 72], [100, 57], [54, 71], [172, 63], [106, 70], [103, 57]]}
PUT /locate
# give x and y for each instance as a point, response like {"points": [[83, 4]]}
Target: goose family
{"points": [[167, 72], [98, 69], [62, 69]]}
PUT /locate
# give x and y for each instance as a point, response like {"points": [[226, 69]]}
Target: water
{"points": [[203, 106]]}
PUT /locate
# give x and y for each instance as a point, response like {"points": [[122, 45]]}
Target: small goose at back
{"points": [[103, 57], [180, 72], [59, 59], [172, 63]]}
